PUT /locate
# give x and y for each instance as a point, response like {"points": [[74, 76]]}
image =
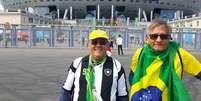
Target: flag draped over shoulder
{"points": [[154, 77]]}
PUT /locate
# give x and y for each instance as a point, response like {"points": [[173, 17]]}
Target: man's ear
{"points": [[146, 38], [171, 37], [88, 45]]}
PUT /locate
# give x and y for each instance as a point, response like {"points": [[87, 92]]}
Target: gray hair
{"points": [[157, 23]]}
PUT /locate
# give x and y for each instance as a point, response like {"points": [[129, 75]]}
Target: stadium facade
{"points": [[80, 9]]}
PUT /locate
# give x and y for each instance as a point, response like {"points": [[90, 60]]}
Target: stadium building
{"points": [[81, 9]]}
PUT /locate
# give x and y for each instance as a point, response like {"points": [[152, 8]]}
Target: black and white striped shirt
{"points": [[109, 85]]}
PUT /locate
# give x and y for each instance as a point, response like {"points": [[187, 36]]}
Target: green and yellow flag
{"points": [[153, 76], [90, 78]]}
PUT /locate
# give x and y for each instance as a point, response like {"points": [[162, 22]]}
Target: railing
{"points": [[49, 36]]}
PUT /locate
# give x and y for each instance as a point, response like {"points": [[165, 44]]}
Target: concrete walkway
{"points": [[38, 74]]}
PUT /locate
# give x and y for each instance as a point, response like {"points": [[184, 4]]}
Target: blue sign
{"points": [[188, 39], [39, 34]]}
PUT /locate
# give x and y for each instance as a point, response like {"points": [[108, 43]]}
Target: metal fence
{"points": [[32, 36]]}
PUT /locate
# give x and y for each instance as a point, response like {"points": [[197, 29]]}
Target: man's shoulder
{"points": [[117, 64], [115, 60], [77, 61], [183, 52]]}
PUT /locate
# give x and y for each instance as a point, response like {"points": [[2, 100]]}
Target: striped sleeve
{"points": [[191, 64], [122, 85], [68, 85], [122, 90], [67, 89]]}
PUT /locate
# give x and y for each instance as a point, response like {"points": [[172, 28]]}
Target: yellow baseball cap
{"points": [[98, 34]]}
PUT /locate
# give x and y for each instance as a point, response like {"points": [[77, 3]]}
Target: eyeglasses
{"points": [[162, 36], [99, 41]]}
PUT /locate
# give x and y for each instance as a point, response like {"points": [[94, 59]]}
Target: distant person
{"points": [[111, 43], [119, 42], [110, 48], [157, 68], [83, 41], [95, 77], [7, 28]]}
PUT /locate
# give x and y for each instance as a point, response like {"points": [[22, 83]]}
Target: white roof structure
{"points": [[1, 7], [129, 7]]}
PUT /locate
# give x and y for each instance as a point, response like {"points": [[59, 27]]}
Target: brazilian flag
{"points": [[153, 76]]}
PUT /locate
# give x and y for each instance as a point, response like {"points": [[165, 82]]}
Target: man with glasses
{"points": [[157, 68], [95, 77]]}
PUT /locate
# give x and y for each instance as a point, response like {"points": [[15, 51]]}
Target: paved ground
{"points": [[37, 74]]}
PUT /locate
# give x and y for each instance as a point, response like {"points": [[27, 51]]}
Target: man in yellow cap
{"points": [[95, 77]]}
